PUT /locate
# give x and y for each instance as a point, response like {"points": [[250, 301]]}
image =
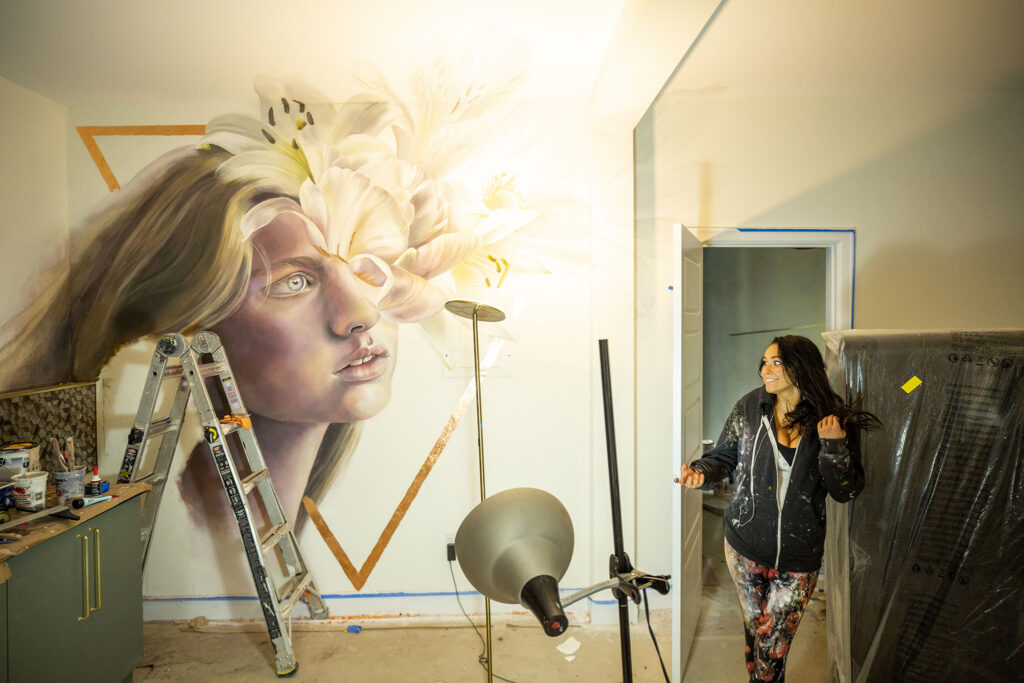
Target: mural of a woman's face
{"points": [[307, 343]]}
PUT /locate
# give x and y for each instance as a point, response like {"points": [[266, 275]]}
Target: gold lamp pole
{"points": [[476, 312]]}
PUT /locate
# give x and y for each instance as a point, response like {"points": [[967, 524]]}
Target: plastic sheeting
{"points": [[926, 566]]}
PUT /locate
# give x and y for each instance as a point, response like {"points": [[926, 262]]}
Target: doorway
{"points": [[748, 261]]}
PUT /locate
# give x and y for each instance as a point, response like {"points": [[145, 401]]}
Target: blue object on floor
{"points": [[355, 628]]}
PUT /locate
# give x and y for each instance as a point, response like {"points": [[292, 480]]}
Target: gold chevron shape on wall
{"points": [[359, 576], [90, 133]]}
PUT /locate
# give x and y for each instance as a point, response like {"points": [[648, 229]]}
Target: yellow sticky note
{"points": [[911, 384]]}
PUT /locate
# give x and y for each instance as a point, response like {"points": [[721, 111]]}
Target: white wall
{"points": [[930, 183], [33, 192]]}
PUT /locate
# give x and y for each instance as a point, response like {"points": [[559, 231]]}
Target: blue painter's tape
{"points": [[333, 596]]}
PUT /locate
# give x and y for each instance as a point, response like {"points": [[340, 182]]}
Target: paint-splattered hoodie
{"points": [[793, 540]]}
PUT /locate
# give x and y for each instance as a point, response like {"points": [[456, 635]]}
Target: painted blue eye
{"points": [[292, 284], [296, 283]]}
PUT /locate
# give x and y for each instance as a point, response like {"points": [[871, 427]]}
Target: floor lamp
{"points": [[515, 547], [478, 312]]}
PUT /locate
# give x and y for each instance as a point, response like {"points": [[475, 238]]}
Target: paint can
{"points": [[30, 490], [18, 458], [69, 485]]}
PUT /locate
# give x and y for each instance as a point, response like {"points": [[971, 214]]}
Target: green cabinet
{"points": [[74, 603]]}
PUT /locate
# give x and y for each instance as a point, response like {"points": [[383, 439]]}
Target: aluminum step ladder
{"points": [[276, 601]]}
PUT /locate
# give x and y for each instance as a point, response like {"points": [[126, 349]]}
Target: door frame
{"points": [[840, 260], [840, 246]]}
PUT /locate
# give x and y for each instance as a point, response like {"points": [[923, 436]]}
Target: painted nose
{"points": [[349, 307]]}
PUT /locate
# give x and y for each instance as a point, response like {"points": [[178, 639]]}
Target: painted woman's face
{"points": [[307, 344]]}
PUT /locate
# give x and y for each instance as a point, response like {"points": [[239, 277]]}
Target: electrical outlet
{"points": [[449, 545]]}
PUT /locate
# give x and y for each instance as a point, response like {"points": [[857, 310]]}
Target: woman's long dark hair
{"points": [[806, 369]]}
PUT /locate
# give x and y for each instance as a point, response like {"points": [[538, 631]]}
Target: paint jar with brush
{"points": [[70, 485]]}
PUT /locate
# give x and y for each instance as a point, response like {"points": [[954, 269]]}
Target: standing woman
{"points": [[791, 442]]}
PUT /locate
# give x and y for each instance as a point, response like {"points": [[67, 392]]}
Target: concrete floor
{"points": [[522, 653]]}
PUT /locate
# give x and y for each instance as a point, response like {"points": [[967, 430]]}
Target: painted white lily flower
{"points": [[367, 177], [299, 135]]}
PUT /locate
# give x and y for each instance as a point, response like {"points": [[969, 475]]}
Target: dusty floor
{"points": [[521, 653]]}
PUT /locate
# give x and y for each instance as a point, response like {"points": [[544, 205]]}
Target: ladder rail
{"points": [[162, 466]]}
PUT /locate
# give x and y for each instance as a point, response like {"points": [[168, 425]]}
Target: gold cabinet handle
{"points": [[85, 577], [99, 588]]}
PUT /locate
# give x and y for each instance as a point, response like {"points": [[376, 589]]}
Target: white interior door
{"points": [[687, 409], [668, 413]]}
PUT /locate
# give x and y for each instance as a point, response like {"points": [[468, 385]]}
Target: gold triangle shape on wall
{"points": [[90, 133]]}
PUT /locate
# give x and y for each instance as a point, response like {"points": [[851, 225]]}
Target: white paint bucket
{"points": [[18, 458], [30, 490]]}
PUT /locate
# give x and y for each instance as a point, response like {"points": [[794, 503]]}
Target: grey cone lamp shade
{"points": [[514, 547]]}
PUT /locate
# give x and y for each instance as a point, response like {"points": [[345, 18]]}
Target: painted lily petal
{"points": [[439, 255], [364, 115], [359, 218], [273, 172], [405, 143], [373, 271], [433, 216], [265, 212], [314, 204], [394, 176], [497, 225], [442, 333], [234, 133], [410, 298], [355, 152]]}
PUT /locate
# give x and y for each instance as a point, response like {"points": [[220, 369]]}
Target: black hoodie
{"points": [[752, 519]]}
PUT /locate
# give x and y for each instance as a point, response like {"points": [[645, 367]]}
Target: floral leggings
{"points": [[772, 603]]}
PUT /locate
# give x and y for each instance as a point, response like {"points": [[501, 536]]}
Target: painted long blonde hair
{"points": [[163, 254]]}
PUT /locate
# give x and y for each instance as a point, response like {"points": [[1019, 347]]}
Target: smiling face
{"points": [[776, 379], [307, 343]]}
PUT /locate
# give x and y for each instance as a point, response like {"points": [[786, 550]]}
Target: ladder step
{"points": [[152, 478], [249, 483], [292, 592], [274, 536], [211, 369], [205, 370], [161, 427]]}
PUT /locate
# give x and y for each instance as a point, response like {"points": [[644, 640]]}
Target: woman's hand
{"points": [[690, 478], [830, 428]]}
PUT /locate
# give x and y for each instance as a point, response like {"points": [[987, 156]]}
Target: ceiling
{"points": [[94, 53], [757, 48], [102, 53]]}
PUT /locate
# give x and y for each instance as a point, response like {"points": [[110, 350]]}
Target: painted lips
{"points": [[364, 368]]}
